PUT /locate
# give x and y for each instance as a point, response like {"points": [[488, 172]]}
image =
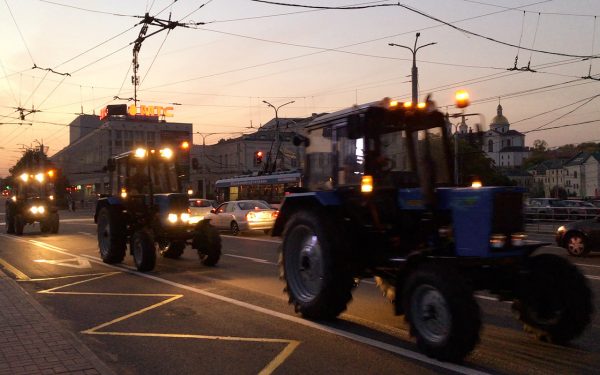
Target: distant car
{"points": [[546, 209], [578, 209], [579, 237], [244, 215], [199, 208]]}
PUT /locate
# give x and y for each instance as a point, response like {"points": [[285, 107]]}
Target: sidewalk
{"points": [[32, 341]]}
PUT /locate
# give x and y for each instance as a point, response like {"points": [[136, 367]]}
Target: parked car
{"points": [[199, 208], [244, 215], [579, 237], [578, 209], [546, 209]]}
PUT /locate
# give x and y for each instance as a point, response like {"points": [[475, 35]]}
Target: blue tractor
{"points": [[380, 202], [145, 208]]}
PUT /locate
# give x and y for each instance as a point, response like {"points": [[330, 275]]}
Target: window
{"points": [[508, 142], [490, 146]]}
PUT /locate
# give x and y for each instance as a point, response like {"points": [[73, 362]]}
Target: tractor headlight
{"points": [[172, 218], [185, 217], [518, 239], [37, 210]]}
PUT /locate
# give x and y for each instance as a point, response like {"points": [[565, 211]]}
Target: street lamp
{"points": [[414, 71], [268, 163]]}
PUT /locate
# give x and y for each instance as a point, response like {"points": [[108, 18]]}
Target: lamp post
{"points": [[414, 70], [204, 135], [268, 163]]}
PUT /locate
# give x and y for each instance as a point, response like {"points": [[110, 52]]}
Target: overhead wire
{"points": [[89, 10], [20, 33]]}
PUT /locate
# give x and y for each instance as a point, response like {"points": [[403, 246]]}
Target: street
{"points": [[234, 318]]}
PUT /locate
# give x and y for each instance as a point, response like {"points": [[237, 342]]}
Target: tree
{"points": [[31, 159], [474, 162], [540, 145]]}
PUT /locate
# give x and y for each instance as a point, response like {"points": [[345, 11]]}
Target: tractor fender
{"points": [[107, 202], [303, 201]]}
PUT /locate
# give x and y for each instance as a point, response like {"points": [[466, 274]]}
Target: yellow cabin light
{"points": [[190, 192], [394, 103], [476, 184], [51, 173], [166, 153], [140, 153], [407, 104], [366, 184], [185, 145], [462, 99], [24, 177], [39, 177], [51, 197], [421, 105], [123, 193]]}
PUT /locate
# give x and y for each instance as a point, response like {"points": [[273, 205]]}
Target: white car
{"points": [[245, 215], [199, 208]]}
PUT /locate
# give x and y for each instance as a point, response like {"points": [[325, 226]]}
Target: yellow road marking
{"points": [[69, 276], [291, 345], [10, 268]]}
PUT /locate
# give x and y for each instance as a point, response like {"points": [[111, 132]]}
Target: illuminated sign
{"points": [[150, 110], [132, 110]]}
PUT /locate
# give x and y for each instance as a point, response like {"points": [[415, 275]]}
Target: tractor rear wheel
{"points": [[312, 262], [173, 250], [19, 224], [10, 221], [208, 243], [111, 237], [442, 312], [144, 251], [555, 302]]}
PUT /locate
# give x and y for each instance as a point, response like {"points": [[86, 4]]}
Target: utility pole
{"points": [[414, 70], [277, 140]]}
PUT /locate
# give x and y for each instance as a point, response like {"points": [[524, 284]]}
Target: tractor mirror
{"points": [[110, 165], [355, 128]]}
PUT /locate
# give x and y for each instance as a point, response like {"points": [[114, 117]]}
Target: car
{"points": [[579, 237], [546, 209], [578, 209], [243, 215], [199, 208]]}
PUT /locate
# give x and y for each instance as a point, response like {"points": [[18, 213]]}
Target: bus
{"points": [[269, 187]]}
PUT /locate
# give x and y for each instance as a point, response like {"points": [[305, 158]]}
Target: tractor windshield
{"points": [[157, 173], [164, 177]]}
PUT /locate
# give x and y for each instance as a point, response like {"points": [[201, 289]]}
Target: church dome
{"points": [[499, 120]]}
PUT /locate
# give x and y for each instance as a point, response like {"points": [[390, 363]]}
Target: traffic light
{"points": [[258, 156]]}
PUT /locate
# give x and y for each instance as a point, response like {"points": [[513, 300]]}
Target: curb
{"points": [[52, 321]]}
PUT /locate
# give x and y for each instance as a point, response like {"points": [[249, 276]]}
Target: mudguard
{"points": [[294, 201]]}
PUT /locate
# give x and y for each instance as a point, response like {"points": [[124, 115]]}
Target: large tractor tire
{"points": [[10, 222], [144, 250], [313, 265], [173, 250], [19, 224], [442, 312], [45, 225], [111, 237], [54, 222], [555, 302], [208, 243]]}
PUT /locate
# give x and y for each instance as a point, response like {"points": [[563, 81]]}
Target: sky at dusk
{"points": [[237, 53]]}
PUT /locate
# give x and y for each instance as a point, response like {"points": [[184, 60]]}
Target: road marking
{"points": [[87, 234], [251, 239], [76, 220], [76, 262], [257, 260], [10, 268], [294, 319], [289, 348], [69, 276], [586, 265]]}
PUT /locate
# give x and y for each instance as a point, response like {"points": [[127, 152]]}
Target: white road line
{"points": [[252, 239], [257, 260], [335, 331], [586, 265], [87, 234]]}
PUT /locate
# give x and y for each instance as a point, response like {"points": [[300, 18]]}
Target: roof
{"points": [[578, 159]]}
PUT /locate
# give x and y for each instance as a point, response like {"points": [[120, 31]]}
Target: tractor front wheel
{"points": [[555, 302], [208, 243], [173, 250], [54, 222], [317, 279], [442, 313], [144, 251], [111, 237], [10, 221], [19, 224]]}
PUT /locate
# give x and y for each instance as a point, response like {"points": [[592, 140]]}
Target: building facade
{"points": [[93, 141]]}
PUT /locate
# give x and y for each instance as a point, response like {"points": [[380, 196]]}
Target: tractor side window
{"points": [[350, 160], [319, 161]]}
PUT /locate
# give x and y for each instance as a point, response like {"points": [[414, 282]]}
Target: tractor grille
{"points": [[508, 213]]}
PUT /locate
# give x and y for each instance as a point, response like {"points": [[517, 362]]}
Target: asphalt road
{"points": [[234, 318]]}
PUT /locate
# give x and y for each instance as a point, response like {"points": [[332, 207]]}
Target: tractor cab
{"points": [[33, 201]]}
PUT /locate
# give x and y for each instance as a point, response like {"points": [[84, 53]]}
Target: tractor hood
{"points": [[171, 201]]}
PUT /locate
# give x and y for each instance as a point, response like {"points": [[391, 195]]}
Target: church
{"points": [[504, 146]]}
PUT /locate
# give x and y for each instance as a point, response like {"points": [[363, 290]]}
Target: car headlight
{"points": [[172, 218], [561, 229]]}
